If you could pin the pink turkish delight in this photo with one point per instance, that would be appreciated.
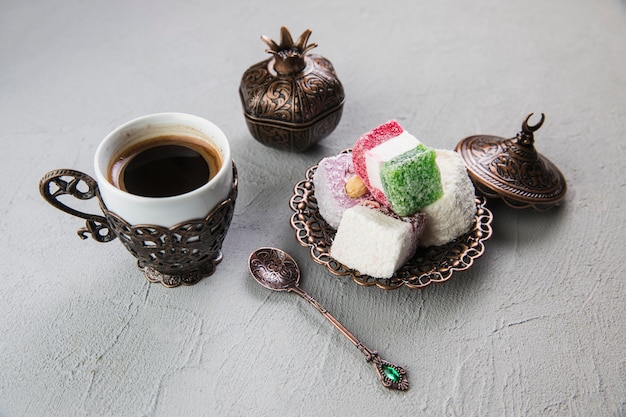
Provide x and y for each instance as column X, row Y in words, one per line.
column 369, row 141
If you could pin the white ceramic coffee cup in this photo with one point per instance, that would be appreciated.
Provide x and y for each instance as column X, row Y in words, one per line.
column 163, row 211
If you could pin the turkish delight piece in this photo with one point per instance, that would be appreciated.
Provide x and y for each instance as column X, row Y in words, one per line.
column 411, row 180
column 375, row 241
column 330, row 180
column 378, row 156
column 454, row 213
column 368, row 141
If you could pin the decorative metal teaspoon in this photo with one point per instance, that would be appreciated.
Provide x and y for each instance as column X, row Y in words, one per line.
column 276, row 270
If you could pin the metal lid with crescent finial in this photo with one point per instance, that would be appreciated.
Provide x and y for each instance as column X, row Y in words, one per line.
column 512, row 169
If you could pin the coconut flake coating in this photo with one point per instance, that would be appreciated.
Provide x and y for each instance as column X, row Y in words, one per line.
column 454, row 213
column 375, row 241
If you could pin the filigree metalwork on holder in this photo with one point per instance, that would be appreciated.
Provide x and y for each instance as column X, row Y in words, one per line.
column 512, row 169
column 60, row 182
column 181, row 254
column 178, row 255
column 431, row 264
column 293, row 99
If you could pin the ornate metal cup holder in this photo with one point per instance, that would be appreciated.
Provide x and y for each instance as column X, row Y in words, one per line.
column 179, row 255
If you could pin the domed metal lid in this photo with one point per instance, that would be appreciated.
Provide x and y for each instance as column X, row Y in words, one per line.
column 511, row 169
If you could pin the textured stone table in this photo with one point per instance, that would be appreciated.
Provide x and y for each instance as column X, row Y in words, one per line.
column 536, row 327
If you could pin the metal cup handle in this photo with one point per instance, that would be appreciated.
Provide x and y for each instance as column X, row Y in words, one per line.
column 70, row 182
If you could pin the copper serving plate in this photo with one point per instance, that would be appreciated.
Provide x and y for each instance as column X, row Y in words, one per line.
column 431, row 264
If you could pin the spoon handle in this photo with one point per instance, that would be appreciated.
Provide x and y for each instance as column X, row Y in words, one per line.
column 391, row 375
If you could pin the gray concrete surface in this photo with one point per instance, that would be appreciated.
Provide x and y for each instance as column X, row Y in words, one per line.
column 536, row 328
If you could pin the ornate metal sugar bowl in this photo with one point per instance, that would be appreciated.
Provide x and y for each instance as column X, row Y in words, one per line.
column 293, row 99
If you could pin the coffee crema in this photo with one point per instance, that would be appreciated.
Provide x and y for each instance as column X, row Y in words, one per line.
column 165, row 166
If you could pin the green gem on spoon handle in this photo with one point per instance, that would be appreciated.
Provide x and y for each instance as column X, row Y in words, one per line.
column 276, row 270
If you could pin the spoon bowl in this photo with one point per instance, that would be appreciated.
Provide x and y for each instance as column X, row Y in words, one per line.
column 274, row 269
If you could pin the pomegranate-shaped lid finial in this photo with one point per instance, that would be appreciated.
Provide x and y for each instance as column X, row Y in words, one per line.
column 289, row 56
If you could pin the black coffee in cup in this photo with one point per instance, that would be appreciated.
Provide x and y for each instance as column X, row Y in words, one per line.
column 165, row 166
